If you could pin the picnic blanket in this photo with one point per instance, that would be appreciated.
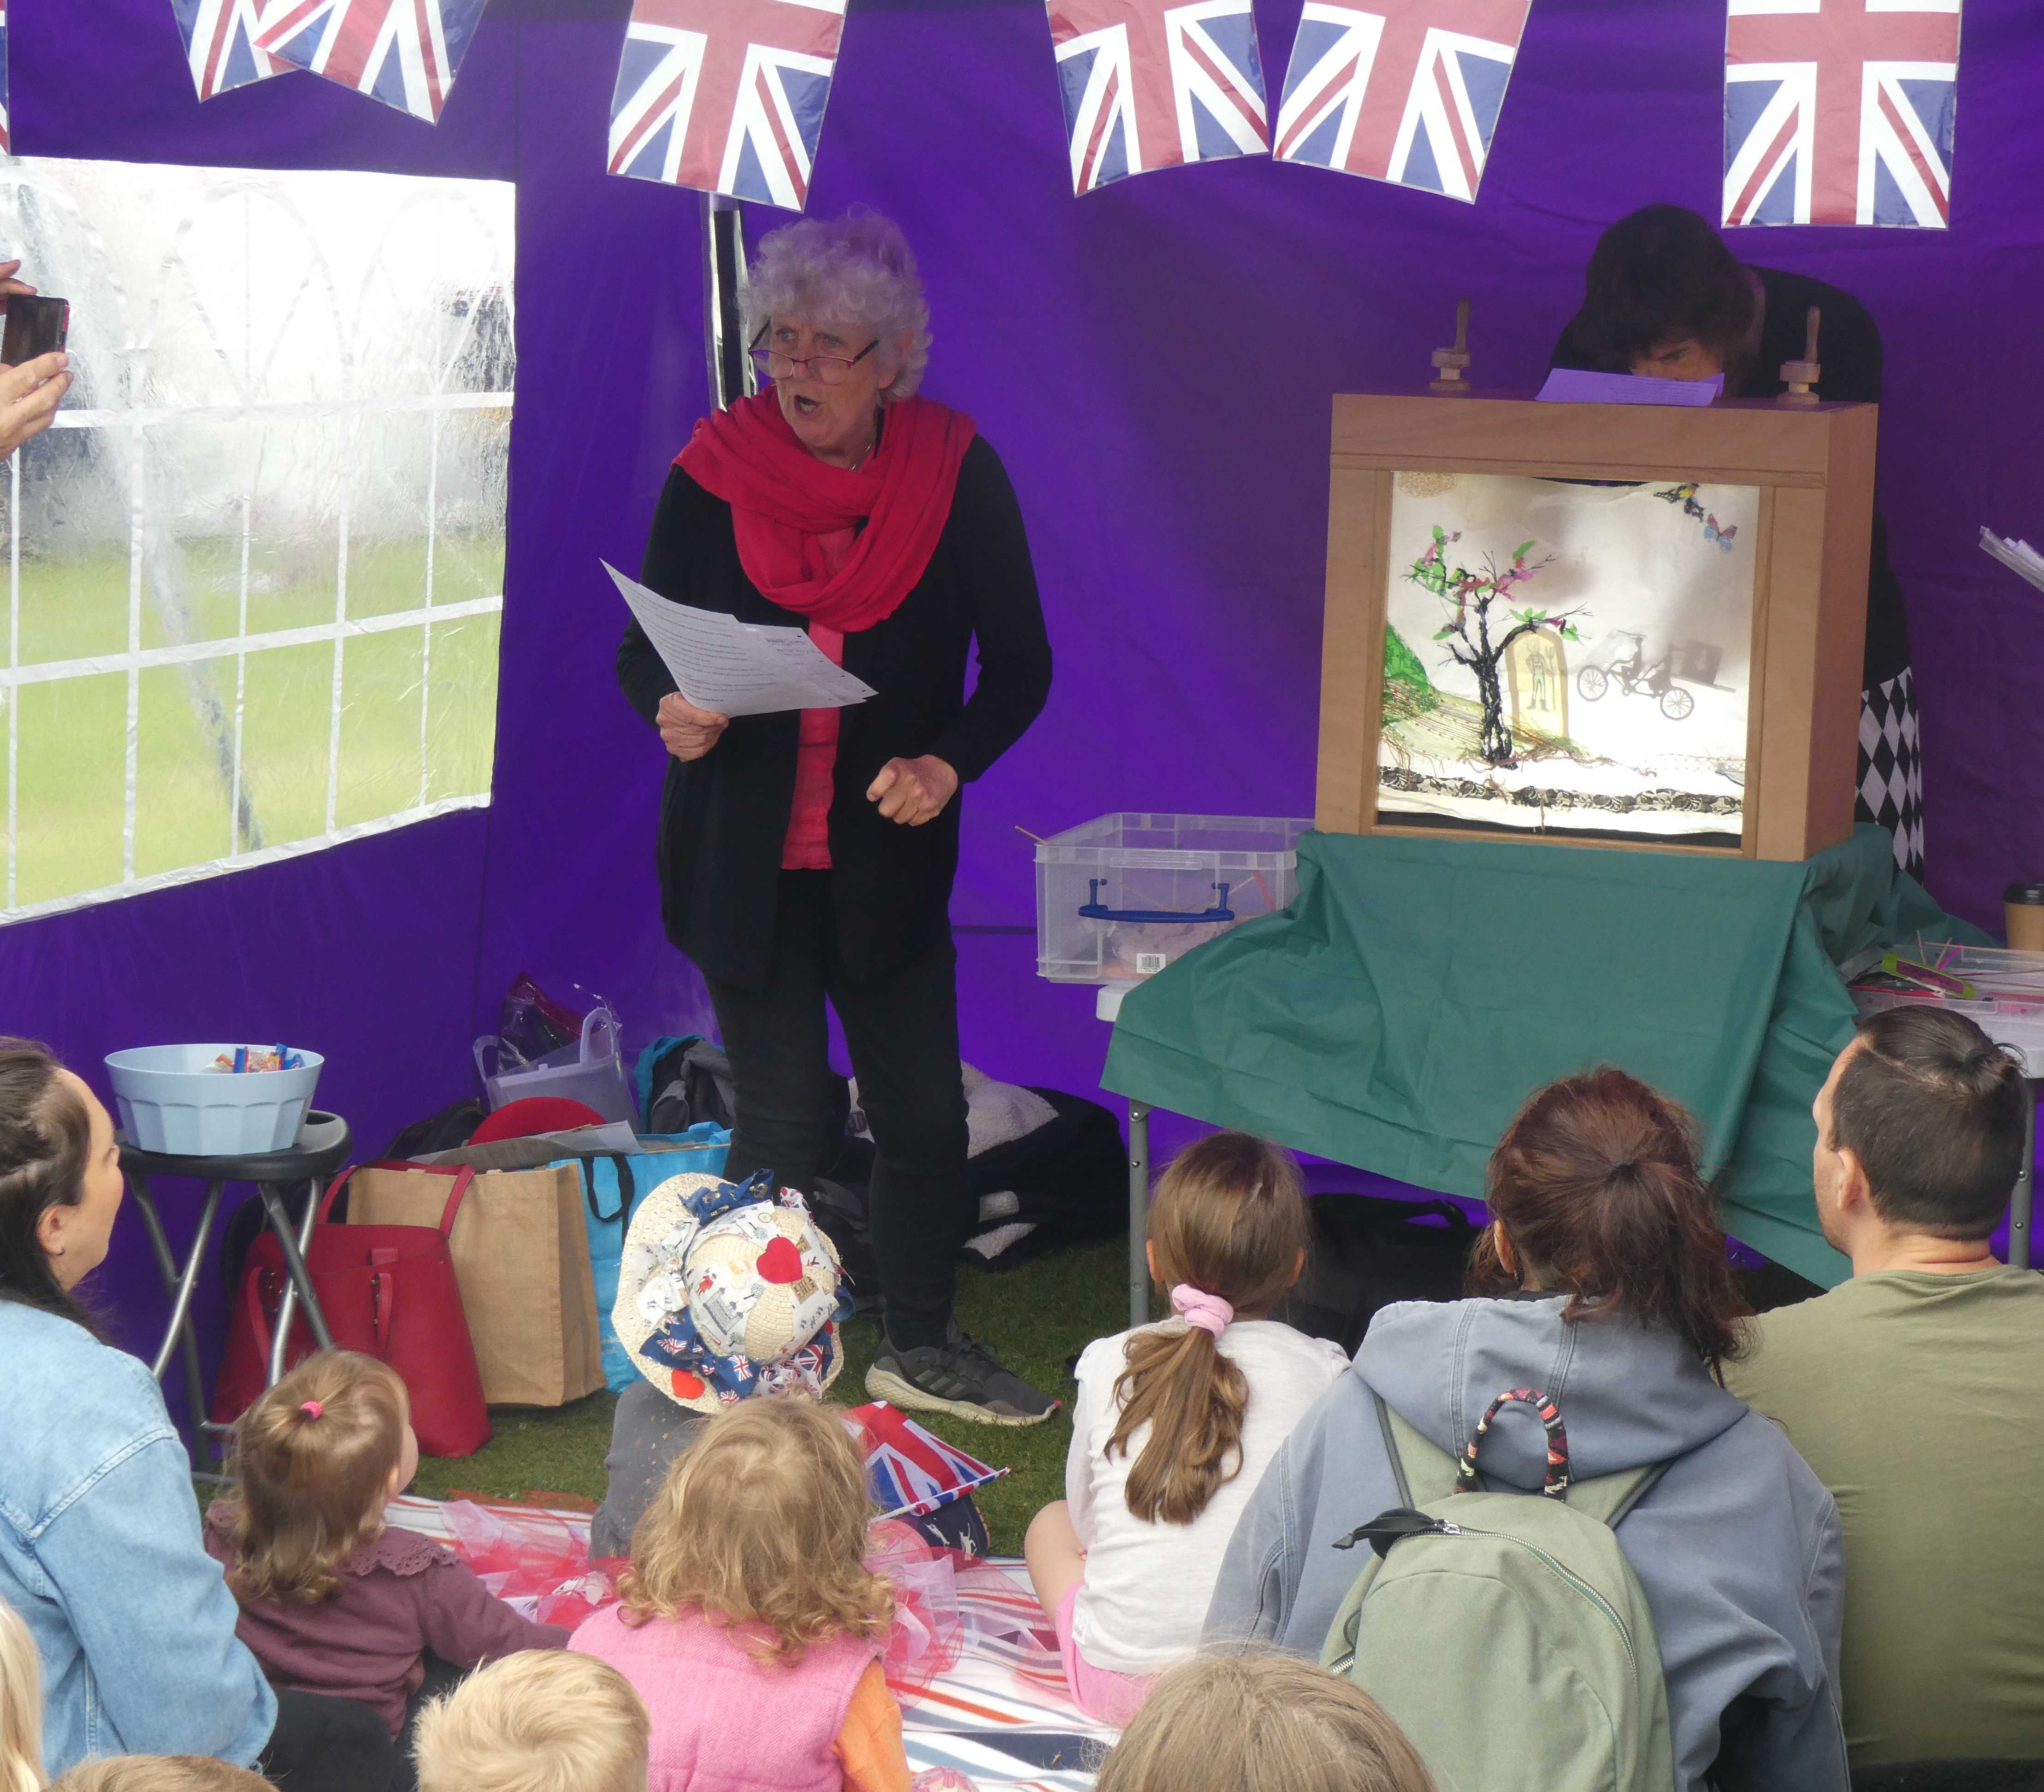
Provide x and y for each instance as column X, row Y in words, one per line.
column 999, row 1712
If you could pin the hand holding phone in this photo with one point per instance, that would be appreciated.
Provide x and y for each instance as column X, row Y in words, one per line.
column 36, row 326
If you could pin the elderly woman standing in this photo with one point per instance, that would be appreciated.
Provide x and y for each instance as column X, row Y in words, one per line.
column 806, row 857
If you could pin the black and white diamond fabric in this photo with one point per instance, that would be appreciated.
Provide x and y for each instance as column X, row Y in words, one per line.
column 1891, row 766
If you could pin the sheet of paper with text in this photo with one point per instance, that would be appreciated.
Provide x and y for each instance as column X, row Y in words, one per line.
column 738, row 668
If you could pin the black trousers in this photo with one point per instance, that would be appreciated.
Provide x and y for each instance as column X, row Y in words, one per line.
column 902, row 1030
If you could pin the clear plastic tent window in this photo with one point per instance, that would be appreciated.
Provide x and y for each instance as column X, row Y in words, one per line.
column 254, row 576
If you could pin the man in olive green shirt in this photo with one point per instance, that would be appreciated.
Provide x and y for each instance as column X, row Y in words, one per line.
column 1913, row 1391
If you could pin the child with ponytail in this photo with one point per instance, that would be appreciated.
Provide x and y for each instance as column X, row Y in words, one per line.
column 1175, row 1422
column 332, row 1601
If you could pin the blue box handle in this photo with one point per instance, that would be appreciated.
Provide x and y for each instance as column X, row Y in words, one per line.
column 1093, row 910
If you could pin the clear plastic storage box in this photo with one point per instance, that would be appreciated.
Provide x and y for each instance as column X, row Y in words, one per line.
column 2010, row 1008
column 1120, row 898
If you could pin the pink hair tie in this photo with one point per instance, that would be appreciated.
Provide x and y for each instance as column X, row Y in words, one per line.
column 1209, row 1312
column 311, row 1407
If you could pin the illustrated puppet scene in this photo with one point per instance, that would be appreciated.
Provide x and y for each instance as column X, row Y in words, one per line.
column 1010, row 896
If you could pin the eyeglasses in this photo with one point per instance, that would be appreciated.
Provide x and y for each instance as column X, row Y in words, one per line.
column 830, row 369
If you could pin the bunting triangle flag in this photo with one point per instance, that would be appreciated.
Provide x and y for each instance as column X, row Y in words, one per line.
column 1149, row 86
column 726, row 96
column 1409, row 91
column 220, row 43
column 1840, row 111
column 403, row 52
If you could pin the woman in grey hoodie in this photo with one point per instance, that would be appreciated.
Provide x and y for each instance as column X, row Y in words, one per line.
column 1607, row 1287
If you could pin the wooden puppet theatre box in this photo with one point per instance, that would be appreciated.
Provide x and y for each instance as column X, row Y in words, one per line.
column 1623, row 624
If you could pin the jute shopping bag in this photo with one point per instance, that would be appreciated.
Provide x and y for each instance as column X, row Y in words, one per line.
column 520, row 1251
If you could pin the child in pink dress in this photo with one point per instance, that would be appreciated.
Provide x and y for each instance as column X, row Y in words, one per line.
column 750, row 1624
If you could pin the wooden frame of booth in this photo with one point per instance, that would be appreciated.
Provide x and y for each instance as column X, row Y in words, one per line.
column 1814, row 466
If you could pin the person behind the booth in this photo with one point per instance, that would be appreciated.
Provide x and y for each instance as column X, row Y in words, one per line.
column 1664, row 296
column 806, row 857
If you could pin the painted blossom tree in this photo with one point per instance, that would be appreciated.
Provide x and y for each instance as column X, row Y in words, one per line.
column 1471, row 598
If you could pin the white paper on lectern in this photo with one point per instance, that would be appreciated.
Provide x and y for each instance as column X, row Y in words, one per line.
column 738, row 668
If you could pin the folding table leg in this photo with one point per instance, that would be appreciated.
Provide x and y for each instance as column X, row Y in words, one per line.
column 2025, row 1179
column 299, row 1286
column 1139, row 1213
column 179, row 1283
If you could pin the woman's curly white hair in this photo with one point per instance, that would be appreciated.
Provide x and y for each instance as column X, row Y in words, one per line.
column 856, row 273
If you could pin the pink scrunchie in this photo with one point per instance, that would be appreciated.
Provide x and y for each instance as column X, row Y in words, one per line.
column 1209, row 1312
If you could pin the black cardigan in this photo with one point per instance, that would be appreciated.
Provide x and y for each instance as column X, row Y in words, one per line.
column 1849, row 351
column 724, row 818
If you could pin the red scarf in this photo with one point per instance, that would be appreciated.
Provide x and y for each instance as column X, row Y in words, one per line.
column 782, row 499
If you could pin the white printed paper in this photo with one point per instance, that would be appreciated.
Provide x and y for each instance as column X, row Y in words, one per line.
column 738, row 668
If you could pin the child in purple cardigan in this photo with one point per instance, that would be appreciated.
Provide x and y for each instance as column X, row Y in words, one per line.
column 331, row 1601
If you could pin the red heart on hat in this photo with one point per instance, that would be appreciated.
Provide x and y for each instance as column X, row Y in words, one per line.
column 780, row 1262
column 688, row 1387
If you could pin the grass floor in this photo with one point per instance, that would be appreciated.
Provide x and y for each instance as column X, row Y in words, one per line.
column 1037, row 1317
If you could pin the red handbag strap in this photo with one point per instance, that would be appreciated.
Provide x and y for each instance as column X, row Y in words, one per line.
column 463, row 1175
column 252, row 1309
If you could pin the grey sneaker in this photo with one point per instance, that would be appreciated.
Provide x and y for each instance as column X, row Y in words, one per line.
column 959, row 1377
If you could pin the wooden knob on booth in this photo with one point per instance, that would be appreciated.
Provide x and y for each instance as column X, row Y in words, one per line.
column 1449, row 363
column 1800, row 376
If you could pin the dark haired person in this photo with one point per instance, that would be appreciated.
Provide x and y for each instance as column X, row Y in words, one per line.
column 1664, row 296
column 1912, row 1391
column 100, row 1551
column 1604, row 1283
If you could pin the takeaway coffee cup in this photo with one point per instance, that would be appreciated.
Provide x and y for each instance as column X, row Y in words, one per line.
column 2023, row 906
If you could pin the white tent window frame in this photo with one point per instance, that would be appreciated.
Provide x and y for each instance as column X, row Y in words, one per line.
column 227, row 348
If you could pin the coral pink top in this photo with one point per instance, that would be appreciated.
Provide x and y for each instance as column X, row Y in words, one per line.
column 807, row 846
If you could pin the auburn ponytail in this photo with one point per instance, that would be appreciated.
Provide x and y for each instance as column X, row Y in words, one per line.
column 1229, row 1219
column 1597, row 1185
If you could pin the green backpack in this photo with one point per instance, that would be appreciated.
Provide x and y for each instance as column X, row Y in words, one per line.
column 1505, row 1632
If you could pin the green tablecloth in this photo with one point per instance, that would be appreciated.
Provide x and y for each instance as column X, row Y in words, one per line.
column 1418, row 989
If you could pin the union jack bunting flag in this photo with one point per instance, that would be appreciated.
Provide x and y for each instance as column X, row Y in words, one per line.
column 725, row 95
column 220, row 43
column 1407, row 90
column 404, row 52
column 910, row 1472
column 1840, row 111
column 1149, row 86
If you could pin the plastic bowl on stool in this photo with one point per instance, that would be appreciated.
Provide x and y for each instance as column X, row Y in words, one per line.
column 171, row 1100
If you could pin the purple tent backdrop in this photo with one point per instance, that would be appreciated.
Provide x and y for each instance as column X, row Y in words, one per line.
column 1154, row 363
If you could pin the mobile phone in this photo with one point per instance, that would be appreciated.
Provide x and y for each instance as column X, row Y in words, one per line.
column 36, row 325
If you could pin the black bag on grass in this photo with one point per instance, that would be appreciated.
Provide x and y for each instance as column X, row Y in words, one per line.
column 1367, row 1252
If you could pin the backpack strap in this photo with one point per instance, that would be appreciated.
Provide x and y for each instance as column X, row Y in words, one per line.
column 1609, row 1498
column 1423, row 1470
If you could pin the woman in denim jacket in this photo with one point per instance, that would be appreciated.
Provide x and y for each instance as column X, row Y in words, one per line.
column 99, row 1533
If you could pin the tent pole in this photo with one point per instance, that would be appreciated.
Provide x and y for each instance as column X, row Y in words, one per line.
column 725, row 350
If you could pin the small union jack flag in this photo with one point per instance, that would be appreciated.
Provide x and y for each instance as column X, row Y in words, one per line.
column 1840, row 111
column 726, row 96
column 910, row 1472
column 1405, row 90
column 403, row 52
column 220, row 43
column 1148, row 86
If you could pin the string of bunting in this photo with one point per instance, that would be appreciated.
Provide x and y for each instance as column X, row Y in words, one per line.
column 1838, row 111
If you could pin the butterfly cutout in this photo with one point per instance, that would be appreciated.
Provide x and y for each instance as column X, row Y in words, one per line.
column 1685, row 496
column 1722, row 537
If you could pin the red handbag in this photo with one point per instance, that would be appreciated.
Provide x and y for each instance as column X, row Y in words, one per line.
column 388, row 1292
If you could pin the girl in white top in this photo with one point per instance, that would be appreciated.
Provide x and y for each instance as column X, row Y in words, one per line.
column 1175, row 1423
